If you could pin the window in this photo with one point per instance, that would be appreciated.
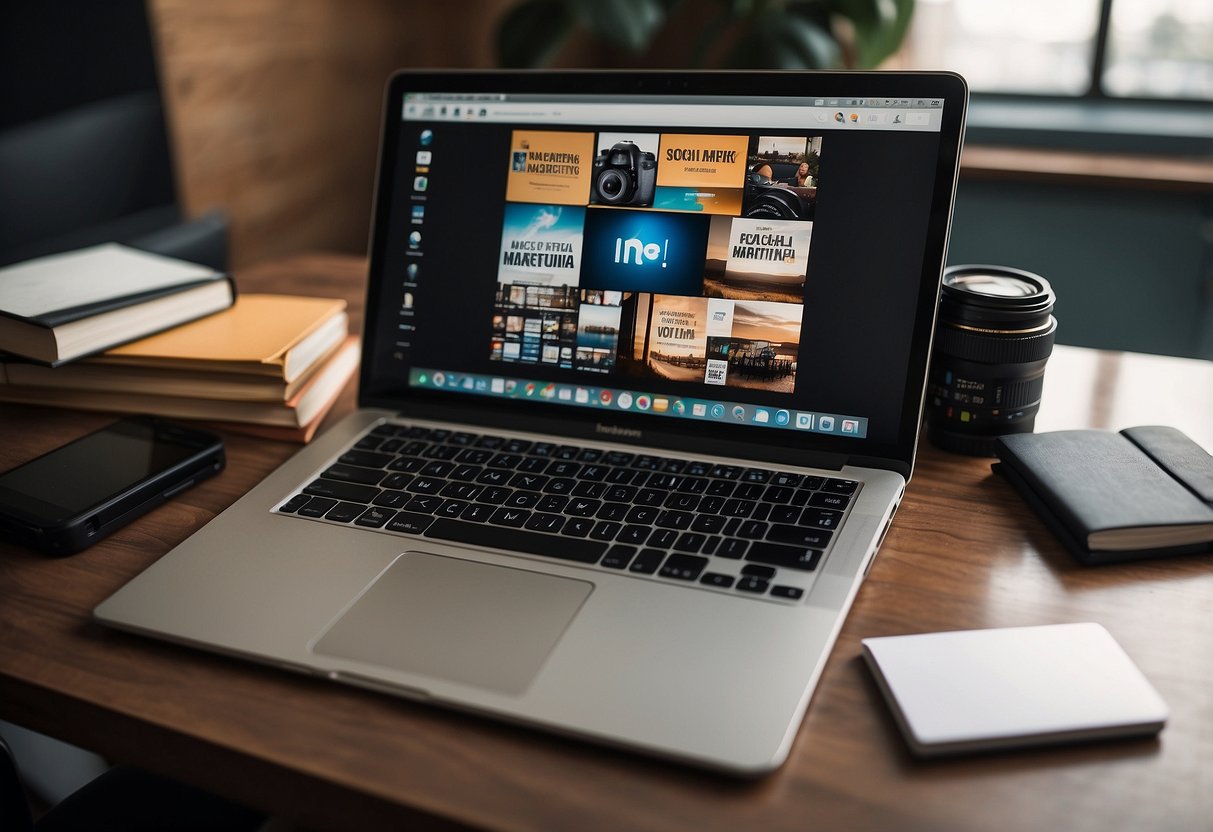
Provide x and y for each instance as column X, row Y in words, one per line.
column 1124, row 48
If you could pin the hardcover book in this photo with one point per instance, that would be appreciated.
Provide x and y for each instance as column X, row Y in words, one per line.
column 1113, row 497
column 57, row 308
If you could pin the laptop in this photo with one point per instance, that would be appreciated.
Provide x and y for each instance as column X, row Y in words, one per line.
column 642, row 374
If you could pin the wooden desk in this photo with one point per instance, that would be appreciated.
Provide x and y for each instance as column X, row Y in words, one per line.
column 964, row 552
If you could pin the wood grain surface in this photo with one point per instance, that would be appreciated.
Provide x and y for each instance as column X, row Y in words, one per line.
column 964, row 552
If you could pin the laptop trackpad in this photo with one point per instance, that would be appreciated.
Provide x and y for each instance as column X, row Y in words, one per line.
column 458, row 620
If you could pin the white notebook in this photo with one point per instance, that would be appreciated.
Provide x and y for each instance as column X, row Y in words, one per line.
column 977, row 690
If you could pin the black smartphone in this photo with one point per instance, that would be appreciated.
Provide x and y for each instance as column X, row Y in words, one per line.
column 73, row 496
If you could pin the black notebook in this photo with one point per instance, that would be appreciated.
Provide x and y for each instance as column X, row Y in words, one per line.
column 1111, row 497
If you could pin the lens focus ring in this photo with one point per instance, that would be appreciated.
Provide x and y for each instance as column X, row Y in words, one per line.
column 995, row 347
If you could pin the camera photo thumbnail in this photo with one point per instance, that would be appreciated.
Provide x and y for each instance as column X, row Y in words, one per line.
column 781, row 182
column 625, row 169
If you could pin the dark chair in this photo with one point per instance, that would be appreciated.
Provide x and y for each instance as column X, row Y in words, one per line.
column 84, row 151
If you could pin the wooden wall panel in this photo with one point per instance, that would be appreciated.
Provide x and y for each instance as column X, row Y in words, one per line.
column 274, row 106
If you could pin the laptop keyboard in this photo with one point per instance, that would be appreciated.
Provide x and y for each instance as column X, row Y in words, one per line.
column 757, row 531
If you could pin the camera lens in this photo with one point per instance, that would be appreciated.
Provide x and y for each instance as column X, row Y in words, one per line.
column 612, row 186
column 994, row 334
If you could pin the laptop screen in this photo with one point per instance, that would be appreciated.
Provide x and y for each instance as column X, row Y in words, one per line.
column 750, row 258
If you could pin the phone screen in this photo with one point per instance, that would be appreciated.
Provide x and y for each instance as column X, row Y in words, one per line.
column 85, row 472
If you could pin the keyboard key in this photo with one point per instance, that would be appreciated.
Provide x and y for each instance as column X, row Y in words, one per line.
column 396, row 481
column 717, row 579
column 785, row 514
column 738, row 508
column 756, row 475
column 731, row 547
column 566, row 452
column 504, row 460
column 709, row 544
column 594, row 473
column 424, row 503
column 757, row 570
column 623, row 476
column 552, row 503
column 540, row 522
column 438, row 435
column 589, row 455
column 669, row 519
column 353, row 473
column 578, row 526
column 560, row 485
column 690, row 542
column 452, row 508
column 494, row 495
column 513, row 518
column 748, row 491
column 462, row 438
column 384, row 430
column 709, row 523
column 635, row 535
column 529, row 482
column 681, row 502
column 474, row 456
column 800, row 536
column 840, row 486
column 619, row 494
column 390, row 499
column 750, row 584
column 711, row 505
column 352, row 492
column 642, row 514
column 510, row 539
column 317, row 507
column 344, row 512
column 437, row 469
column 697, row 469
column 720, row 488
column 522, row 499
column 725, row 472
column 755, row 530
column 613, row 511
column 532, row 465
column 580, row 507
column 683, row 567
column 543, row 449
column 375, row 517
column 426, row 485
column 650, row 497
column 476, row 513
column 781, row 478
column 368, row 443
column 647, row 561
column 663, row 538
column 647, row 462
column 560, row 468
column 777, row 494
column 494, row 476
column 618, row 557
column 824, row 499
column 294, row 504
column 618, row 458
column 409, row 465
column 415, row 432
column 761, row 511
column 442, row 452
column 606, row 530
column 693, row 485
column 516, row 446
column 793, row 593
column 590, row 489
column 490, row 442
column 460, row 491
column 792, row 557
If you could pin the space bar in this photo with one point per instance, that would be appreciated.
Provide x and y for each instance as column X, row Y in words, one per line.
column 495, row 537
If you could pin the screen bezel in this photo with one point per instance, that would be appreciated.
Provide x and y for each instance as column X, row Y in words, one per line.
column 756, row 442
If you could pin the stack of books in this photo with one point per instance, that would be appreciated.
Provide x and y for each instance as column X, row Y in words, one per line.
column 269, row 365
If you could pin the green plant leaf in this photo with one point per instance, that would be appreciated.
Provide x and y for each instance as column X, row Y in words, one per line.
column 880, row 27
column 531, row 33
column 627, row 24
column 794, row 39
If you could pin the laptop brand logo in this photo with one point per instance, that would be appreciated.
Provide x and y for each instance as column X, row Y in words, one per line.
column 611, row 430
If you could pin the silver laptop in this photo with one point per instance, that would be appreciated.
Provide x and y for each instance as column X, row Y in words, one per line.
column 642, row 375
